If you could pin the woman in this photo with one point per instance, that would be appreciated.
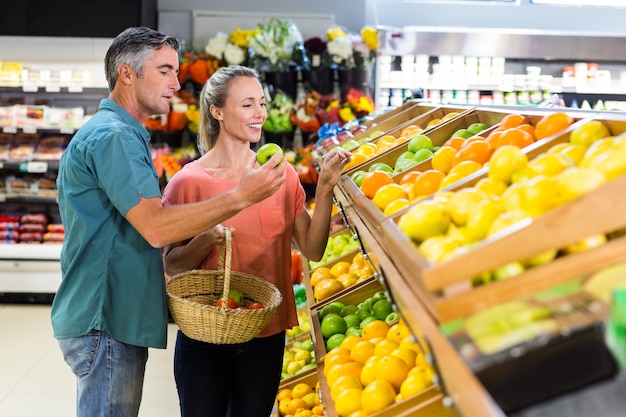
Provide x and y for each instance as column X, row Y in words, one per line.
column 242, row 380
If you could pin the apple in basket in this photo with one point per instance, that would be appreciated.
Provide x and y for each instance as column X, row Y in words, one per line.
column 235, row 299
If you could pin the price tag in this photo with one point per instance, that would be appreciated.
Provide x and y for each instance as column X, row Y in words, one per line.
column 75, row 89
column 9, row 129
column 29, row 129
column 53, row 89
column 66, row 130
column 34, row 167
column 30, row 88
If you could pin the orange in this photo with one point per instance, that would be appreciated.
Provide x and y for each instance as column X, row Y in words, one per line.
column 530, row 129
column 352, row 369
column 283, row 394
column 385, row 347
column 311, row 399
column 493, row 137
column 368, row 373
column 477, row 150
column 362, row 351
column 465, row 168
column 433, row 122
column 350, row 341
column 387, row 194
column 348, row 279
column 338, row 355
column 326, row 288
column 377, row 396
column 375, row 328
column 413, row 385
column 409, row 177
column 449, row 116
column 512, row 120
column 372, row 181
column 411, row 130
column 343, row 383
column 396, row 205
column 514, row 136
column 348, row 401
column 300, row 390
column 367, row 149
column 455, row 142
column 397, row 332
column 428, row 182
column 333, row 373
column 339, row 268
column 552, row 124
column 295, row 404
column 392, row 369
column 357, row 159
column 442, row 158
column 367, row 271
column 406, row 354
column 320, row 273
column 318, row 410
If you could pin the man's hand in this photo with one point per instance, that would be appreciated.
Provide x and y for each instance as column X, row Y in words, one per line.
column 259, row 182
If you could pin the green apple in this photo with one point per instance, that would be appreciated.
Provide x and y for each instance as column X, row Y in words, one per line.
column 266, row 151
column 350, row 144
column 380, row 166
column 403, row 165
column 405, row 155
column 376, row 134
column 476, row 128
column 236, row 295
column 357, row 177
column 392, row 318
column 422, row 155
column 508, row 270
column 418, row 142
column 463, row 133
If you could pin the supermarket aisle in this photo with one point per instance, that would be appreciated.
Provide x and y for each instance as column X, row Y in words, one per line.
column 35, row 382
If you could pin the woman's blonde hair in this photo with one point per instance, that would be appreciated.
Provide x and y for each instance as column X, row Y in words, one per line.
column 215, row 92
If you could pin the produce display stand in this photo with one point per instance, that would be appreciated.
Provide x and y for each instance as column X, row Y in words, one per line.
column 428, row 294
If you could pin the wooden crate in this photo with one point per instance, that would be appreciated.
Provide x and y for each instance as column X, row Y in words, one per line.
column 446, row 287
column 438, row 135
column 394, row 126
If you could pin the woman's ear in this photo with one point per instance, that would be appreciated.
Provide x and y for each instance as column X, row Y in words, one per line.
column 216, row 112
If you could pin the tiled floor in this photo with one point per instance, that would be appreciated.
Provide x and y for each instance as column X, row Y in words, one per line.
column 36, row 382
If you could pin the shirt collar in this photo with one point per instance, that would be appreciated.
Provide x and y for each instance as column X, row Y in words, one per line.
column 110, row 104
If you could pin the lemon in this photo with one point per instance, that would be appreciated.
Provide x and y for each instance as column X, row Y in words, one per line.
column 348, row 402
column 549, row 164
column 491, row 186
column 464, row 201
column 595, row 149
column 413, row 385
column 505, row 161
column 589, row 133
column 437, row 247
column 505, row 220
column 387, row 194
column 424, row 220
column 396, row 205
column 377, row 396
column 576, row 181
column 537, row 196
column 611, row 163
column 480, row 219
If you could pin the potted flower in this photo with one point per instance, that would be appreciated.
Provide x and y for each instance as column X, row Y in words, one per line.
column 278, row 53
column 321, row 75
column 229, row 49
column 353, row 53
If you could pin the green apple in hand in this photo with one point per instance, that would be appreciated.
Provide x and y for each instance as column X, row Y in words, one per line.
column 266, row 151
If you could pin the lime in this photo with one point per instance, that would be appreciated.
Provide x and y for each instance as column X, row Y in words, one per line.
column 382, row 308
column 363, row 313
column 307, row 345
column 352, row 320
column 327, row 309
column 356, row 331
column 349, row 309
column 332, row 324
column 334, row 341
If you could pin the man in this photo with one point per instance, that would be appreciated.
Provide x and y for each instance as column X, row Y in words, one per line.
column 111, row 305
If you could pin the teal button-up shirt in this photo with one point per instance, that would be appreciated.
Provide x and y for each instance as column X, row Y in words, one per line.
column 113, row 279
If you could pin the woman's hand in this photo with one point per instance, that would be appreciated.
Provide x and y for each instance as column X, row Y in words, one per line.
column 332, row 167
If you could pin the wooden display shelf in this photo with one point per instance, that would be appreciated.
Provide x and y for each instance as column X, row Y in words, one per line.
column 454, row 380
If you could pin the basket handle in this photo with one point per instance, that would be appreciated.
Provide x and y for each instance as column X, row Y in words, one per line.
column 224, row 264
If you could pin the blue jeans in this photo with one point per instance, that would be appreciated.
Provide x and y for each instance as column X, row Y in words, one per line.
column 228, row 380
column 109, row 374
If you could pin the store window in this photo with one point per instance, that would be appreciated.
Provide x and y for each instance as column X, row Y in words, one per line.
column 604, row 3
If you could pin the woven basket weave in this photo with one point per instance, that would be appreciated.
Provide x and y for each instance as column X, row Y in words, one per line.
column 192, row 296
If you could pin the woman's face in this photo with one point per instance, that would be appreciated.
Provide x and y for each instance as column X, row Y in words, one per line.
column 244, row 113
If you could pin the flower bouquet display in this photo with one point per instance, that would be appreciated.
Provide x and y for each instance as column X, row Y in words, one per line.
column 278, row 127
column 230, row 49
column 278, row 53
column 353, row 54
column 321, row 75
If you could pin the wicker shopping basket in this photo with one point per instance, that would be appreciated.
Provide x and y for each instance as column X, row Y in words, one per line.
column 192, row 298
